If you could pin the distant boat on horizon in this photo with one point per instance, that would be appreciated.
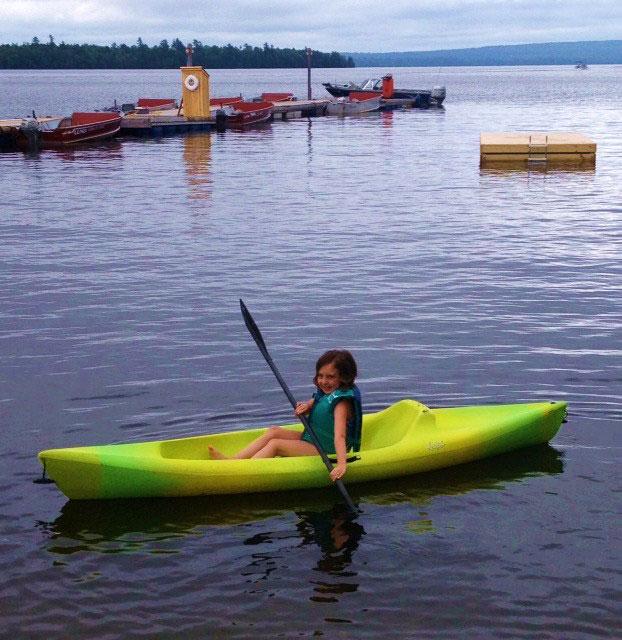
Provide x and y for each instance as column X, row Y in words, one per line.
column 581, row 65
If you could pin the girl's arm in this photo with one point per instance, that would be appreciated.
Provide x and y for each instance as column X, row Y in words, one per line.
column 302, row 408
column 341, row 419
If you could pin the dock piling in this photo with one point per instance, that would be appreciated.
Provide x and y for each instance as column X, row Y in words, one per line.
column 309, row 54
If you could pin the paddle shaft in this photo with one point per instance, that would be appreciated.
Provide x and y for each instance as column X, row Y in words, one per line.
column 258, row 338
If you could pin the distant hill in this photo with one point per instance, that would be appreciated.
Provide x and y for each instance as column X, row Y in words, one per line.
column 590, row 52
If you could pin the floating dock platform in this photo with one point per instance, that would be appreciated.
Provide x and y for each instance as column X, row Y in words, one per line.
column 165, row 122
column 532, row 148
column 290, row 109
column 172, row 121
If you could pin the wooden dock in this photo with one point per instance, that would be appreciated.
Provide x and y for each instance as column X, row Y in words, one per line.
column 15, row 123
column 290, row 109
column 145, row 122
column 163, row 122
column 536, row 148
column 171, row 121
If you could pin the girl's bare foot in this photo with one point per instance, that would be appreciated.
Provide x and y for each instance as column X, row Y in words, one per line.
column 214, row 454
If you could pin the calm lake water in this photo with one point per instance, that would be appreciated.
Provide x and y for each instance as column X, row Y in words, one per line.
column 122, row 266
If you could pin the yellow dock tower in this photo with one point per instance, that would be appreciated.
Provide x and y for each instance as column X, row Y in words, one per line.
column 195, row 93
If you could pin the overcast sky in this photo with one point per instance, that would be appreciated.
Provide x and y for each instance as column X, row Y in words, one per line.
column 348, row 25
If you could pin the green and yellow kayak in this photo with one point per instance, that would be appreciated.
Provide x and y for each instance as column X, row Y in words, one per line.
column 403, row 439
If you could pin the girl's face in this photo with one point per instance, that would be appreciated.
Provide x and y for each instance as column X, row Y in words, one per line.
column 328, row 379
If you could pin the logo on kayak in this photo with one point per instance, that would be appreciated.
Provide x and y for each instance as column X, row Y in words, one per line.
column 435, row 445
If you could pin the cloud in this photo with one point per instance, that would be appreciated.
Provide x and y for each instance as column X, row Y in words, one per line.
column 29, row 12
column 349, row 25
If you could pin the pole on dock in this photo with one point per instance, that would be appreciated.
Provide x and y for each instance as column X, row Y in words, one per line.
column 189, row 52
column 309, row 54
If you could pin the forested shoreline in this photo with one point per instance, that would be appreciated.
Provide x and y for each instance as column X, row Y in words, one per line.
column 52, row 55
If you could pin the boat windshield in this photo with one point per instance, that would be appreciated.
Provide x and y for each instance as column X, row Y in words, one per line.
column 48, row 123
column 370, row 84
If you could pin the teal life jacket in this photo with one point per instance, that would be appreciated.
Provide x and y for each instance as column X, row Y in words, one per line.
column 322, row 419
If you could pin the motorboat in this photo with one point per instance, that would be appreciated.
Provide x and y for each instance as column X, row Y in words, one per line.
column 356, row 103
column 240, row 114
column 77, row 128
column 421, row 97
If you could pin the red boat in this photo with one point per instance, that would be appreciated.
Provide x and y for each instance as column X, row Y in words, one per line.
column 155, row 104
column 80, row 127
column 242, row 114
column 221, row 102
column 278, row 97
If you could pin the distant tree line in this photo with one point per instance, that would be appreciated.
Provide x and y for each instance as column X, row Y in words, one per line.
column 52, row 55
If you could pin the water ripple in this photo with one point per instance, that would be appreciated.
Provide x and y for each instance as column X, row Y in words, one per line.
column 122, row 269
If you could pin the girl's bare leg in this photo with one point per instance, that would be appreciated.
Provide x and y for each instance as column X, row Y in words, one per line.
column 288, row 447
column 250, row 450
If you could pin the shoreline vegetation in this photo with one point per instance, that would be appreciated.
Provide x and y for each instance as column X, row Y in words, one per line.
column 50, row 55
column 165, row 55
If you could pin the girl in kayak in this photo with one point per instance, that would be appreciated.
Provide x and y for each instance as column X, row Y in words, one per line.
column 334, row 413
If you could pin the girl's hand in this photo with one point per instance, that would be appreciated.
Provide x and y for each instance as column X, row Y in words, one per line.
column 303, row 407
column 341, row 416
column 339, row 470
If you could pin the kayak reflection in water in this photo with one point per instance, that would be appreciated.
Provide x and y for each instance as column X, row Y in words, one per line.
column 334, row 412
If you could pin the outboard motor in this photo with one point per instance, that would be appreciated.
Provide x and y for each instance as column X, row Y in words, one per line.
column 221, row 120
column 29, row 129
column 438, row 95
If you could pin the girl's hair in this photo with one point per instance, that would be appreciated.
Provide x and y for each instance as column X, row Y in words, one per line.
column 343, row 361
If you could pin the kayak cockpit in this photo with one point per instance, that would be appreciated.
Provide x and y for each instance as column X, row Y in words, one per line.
column 383, row 429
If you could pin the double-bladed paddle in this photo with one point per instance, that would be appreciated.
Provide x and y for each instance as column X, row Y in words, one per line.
column 253, row 329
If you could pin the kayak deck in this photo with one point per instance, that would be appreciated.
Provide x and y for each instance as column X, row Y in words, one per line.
column 403, row 439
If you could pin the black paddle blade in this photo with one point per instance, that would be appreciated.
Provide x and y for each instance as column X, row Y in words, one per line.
column 252, row 326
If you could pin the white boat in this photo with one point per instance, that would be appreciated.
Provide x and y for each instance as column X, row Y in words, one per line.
column 422, row 97
column 355, row 104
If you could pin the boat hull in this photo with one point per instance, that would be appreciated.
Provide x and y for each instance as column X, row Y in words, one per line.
column 420, row 97
column 82, row 127
column 147, row 105
column 353, row 106
column 406, row 438
column 244, row 114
